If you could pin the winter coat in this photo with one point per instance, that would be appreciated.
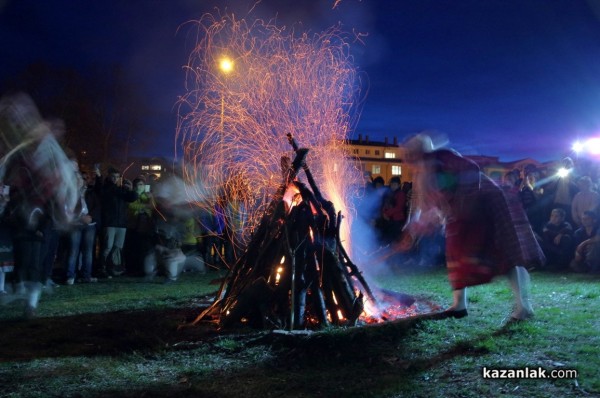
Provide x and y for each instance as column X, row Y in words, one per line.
column 114, row 204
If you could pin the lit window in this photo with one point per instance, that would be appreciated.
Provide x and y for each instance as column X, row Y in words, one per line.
column 145, row 167
column 155, row 167
column 396, row 170
column 390, row 155
column 376, row 169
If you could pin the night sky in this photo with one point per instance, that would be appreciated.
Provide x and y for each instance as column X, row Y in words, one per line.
column 513, row 79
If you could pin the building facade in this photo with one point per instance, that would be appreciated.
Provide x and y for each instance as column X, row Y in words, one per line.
column 385, row 159
column 378, row 158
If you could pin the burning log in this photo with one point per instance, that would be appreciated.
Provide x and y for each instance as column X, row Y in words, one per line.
column 294, row 273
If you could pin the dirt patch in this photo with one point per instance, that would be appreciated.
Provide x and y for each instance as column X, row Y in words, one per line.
column 112, row 333
column 122, row 332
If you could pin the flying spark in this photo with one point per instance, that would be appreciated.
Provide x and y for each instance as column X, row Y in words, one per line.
column 234, row 117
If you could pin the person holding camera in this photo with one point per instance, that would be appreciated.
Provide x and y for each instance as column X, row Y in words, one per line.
column 115, row 198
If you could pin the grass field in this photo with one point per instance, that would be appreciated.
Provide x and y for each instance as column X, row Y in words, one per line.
column 121, row 338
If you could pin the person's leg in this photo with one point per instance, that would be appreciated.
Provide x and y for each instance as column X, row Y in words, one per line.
column 459, row 300
column 108, row 241
column 150, row 265
column 73, row 254
column 119, row 244
column 519, row 282
column 132, row 253
column 173, row 261
column 87, row 251
column 28, row 259
column 49, row 253
column 120, row 234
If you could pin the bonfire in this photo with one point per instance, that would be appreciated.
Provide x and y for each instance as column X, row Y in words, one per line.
column 295, row 272
column 248, row 85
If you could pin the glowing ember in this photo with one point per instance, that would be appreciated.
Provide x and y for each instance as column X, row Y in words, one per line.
column 393, row 306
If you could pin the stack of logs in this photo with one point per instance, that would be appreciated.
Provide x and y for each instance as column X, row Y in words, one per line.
column 294, row 273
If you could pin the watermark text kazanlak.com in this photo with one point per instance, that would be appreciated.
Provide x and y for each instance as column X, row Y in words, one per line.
column 528, row 373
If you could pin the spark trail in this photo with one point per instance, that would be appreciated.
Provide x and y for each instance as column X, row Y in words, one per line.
column 233, row 121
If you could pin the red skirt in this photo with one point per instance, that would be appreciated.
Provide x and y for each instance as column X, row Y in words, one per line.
column 490, row 238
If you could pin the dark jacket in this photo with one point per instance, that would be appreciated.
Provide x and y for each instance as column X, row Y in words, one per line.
column 92, row 199
column 114, row 202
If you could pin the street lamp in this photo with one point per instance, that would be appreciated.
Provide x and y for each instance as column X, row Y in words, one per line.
column 226, row 67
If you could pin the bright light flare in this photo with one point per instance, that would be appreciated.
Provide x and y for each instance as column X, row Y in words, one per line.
column 563, row 172
column 590, row 146
column 226, row 65
column 593, row 146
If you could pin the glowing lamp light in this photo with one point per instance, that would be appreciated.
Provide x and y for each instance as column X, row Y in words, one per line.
column 590, row 146
column 562, row 172
column 226, row 65
column 593, row 146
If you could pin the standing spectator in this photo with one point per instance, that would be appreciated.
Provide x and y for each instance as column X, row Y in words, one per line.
column 376, row 198
column 585, row 200
column 114, row 202
column 80, row 229
column 394, row 211
column 531, row 198
column 92, row 200
column 557, row 240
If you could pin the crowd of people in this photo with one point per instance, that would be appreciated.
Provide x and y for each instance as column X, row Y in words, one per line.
column 562, row 207
column 61, row 224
